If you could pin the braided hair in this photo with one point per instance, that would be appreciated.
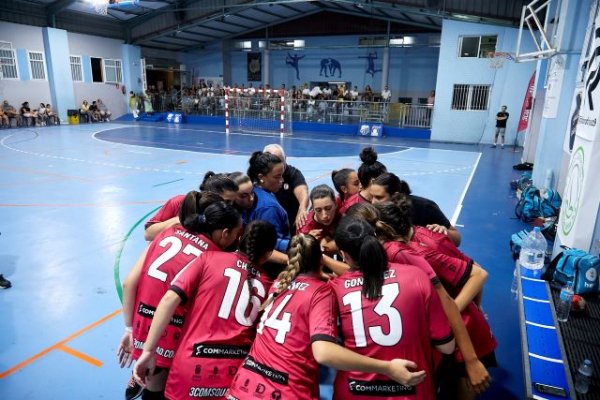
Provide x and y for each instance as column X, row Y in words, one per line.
column 357, row 238
column 257, row 241
column 304, row 256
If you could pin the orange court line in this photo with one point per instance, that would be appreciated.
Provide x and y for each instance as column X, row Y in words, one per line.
column 58, row 345
column 80, row 355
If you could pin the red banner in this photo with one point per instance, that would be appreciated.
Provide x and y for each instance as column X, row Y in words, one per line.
column 527, row 104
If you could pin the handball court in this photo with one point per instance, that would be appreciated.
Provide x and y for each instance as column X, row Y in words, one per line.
column 74, row 199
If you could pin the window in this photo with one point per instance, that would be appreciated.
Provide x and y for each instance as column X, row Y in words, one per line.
column 286, row 44
column 8, row 61
column 245, row 45
column 76, row 68
column 112, row 71
column 470, row 97
column 477, row 46
column 96, row 69
column 36, row 63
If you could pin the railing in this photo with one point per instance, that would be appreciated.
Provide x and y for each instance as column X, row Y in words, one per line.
column 307, row 110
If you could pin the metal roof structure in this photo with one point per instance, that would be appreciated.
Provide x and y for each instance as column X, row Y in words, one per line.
column 182, row 25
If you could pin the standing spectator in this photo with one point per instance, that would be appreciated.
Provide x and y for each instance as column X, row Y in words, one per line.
column 501, row 119
column 430, row 103
column 386, row 95
column 293, row 195
column 367, row 94
column 133, row 105
column 104, row 112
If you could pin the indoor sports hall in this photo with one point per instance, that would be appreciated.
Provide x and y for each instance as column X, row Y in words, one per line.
column 111, row 108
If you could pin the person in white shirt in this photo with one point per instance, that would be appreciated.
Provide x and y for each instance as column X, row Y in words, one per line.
column 314, row 92
column 386, row 94
column 354, row 94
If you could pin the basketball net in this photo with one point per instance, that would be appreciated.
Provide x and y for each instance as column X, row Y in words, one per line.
column 497, row 59
column 101, row 6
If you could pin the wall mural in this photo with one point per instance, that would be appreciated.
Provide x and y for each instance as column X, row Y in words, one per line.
column 330, row 65
column 292, row 60
column 371, row 64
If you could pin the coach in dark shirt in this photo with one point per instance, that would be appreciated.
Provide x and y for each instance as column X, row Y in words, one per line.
column 293, row 195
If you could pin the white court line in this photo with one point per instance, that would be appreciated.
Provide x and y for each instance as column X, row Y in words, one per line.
column 536, row 397
column 553, row 360
column 536, row 300
column 464, row 193
column 540, row 325
column 532, row 279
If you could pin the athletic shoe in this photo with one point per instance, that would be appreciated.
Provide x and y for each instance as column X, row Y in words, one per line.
column 493, row 146
column 4, row 283
column 134, row 390
column 501, row 146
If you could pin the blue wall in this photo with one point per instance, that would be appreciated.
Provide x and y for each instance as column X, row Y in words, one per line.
column 509, row 84
column 412, row 70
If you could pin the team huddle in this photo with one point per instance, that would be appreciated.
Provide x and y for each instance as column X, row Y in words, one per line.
column 242, row 294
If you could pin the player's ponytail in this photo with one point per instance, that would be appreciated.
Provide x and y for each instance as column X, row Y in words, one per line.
column 357, row 238
column 304, row 256
column 194, row 204
column 216, row 216
column 370, row 168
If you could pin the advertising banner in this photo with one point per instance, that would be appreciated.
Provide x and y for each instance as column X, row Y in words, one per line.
column 527, row 105
column 254, row 67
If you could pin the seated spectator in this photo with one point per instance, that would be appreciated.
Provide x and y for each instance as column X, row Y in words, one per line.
column 84, row 111
column 4, row 119
column 104, row 113
column 51, row 115
column 94, row 112
column 11, row 112
column 26, row 114
column 41, row 116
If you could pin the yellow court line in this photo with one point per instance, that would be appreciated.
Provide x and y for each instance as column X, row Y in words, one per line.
column 80, row 355
column 58, row 345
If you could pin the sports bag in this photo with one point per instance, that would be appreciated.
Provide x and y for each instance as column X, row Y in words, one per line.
column 550, row 203
column 529, row 205
column 577, row 266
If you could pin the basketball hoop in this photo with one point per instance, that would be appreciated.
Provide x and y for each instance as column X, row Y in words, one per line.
column 497, row 59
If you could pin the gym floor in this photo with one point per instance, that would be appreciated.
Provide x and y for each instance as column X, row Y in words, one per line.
column 73, row 200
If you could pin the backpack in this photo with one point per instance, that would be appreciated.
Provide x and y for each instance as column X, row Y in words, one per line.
column 529, row 205
column 551, row 203
column 523, row 182
column 577, row 266
column 516, row 241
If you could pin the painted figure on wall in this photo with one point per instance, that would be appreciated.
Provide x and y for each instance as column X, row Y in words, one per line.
column 324, row 67
column 334, row 65
column 292, row 60
column 371, row 64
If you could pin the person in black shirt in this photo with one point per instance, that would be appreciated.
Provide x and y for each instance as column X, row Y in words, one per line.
column 501, row 119
column 293, row 195
column 425, row 212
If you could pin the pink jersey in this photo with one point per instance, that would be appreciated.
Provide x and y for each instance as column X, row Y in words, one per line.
column 311, row 224
column 281, row 364
column 169, row 210
column 350, row 201
column 219, row 326
column 454, row 269
column 438, row 241
column 401, row 253
column 168, row 253
column 407, row 321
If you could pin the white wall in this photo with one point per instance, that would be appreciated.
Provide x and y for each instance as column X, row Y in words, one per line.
column 508, row 85
column 17, row 91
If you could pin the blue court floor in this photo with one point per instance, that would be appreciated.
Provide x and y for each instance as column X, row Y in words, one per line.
column 73, row 200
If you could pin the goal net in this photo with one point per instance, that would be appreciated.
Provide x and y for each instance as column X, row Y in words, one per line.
column 266, row 112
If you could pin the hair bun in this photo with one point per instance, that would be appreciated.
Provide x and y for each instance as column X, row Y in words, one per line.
column 368, row 155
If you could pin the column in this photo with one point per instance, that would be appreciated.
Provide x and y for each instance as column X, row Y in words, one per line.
column 58, row 63
column 132, row 72
column 385, row 68
column 265, row 66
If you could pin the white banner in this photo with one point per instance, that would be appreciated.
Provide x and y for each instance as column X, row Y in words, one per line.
column 590, row 107
column 581, row 196
column 555, row 77
column 573, row 120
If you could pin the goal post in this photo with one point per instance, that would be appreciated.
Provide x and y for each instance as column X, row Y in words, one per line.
column 262, row 111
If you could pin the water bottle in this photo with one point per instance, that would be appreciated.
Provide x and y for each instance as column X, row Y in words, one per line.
column 533, row 250
column 564, row 302
column 514, row 288
column 584, row 376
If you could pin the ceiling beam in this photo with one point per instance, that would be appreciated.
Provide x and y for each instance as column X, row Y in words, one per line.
column 261, row 10
column 58, row 6
column 200, row 34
